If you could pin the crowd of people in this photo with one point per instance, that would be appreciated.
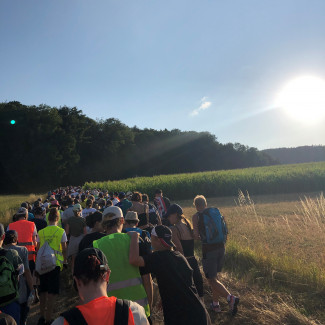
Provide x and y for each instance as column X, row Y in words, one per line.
column 117, row 246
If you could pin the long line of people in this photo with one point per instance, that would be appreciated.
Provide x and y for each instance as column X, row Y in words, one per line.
column 115, row 243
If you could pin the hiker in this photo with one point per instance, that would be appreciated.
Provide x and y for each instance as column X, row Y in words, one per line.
column 68, row 212
column 182, row 236
column 76, row 228
column 131, row 224
column 213, row 251
column 39, row 219
column 124, row 203
column 154, row 217
column 11, row 267
column 26, row 290
column 162, row 203
column 94, row 222
column 141, row 209
column 91, row 276
column 89, row 209
column 27, row 206
column 54, row 204
column 180, row 302
column 50, row 282
column 125, row 280
column 27, row 233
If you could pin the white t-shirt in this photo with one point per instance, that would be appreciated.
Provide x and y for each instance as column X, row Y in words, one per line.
column 86, row 212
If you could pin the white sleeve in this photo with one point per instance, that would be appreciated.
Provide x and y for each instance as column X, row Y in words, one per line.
column 64, row 238
column 35, row 231
column 139, row 314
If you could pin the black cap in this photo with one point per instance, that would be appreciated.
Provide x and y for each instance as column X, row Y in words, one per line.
column 121, row 195
column 174, row 208
column 164, row 233
column 81, row 262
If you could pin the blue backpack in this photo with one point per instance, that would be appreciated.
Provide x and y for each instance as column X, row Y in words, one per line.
column 212, row 227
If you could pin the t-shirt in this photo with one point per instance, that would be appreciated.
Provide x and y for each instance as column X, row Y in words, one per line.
column 40, row 224
column 67, row 213
column 86, row 212
column 124, row 205
column 76, row 226
column 181, row 304
column 87, row 241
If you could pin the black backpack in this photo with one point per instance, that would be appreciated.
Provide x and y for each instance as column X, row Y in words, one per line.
column 75, row 317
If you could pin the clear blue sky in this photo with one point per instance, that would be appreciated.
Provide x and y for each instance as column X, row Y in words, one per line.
column 193, row 65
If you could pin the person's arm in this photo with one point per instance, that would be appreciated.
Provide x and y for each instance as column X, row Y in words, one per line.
column 176, row 239
column 34, row 236
column 29, row 279
column 67, row 229
column 134, row 257
column 195, row 221
column 64, row 252
column 85, row 230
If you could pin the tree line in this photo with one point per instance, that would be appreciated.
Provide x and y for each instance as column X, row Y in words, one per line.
column 44, row 147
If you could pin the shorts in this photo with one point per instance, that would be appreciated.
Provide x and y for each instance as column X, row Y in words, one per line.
column 31, row 266
column 50, row 282
column 212, row 262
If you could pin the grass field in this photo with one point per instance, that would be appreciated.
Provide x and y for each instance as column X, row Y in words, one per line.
column 261, row 180
column 275, row 259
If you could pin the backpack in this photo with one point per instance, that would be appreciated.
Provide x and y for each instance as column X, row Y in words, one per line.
column 45, row 259
column 8, row 280
column 74, row 315
column 212, row 227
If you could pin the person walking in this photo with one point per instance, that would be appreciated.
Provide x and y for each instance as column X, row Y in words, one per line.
column 213, row 253
column 50, row 282
column 124, row 203
column 183, row 238
column 141, row 209
column 162, row 204
column 91, row 276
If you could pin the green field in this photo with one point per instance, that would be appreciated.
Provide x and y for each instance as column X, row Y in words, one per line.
column 261, row 180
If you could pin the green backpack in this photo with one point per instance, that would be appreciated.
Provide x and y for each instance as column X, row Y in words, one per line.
column 8, row 280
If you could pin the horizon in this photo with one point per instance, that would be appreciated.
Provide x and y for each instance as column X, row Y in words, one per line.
column 248, row 72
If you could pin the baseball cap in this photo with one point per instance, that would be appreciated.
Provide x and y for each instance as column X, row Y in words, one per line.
column 115, row 211
column 54, row 203
column 77, row 207
column 174, row 208
column 121, row 195
column 22, row 210
column 131, row 215
column 164, row 234
column 81, row 263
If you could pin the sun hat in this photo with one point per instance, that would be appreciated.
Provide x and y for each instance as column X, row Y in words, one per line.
column 114, row 212
column 77, row 207
column 164, row 234
column 131, row 216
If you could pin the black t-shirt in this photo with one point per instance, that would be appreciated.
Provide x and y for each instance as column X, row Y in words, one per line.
column 40, row 224
column 181, row 304
column 87, row 241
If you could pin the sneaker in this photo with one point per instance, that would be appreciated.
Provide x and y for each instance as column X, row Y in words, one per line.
column 215, row 308
column 233, row 302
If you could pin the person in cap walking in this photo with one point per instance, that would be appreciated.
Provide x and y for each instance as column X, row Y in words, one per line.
column 180, row 301
column 126, row 282
column 76, row 228
column 91, row 276
column 182, row 235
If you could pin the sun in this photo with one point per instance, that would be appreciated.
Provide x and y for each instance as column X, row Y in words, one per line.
column 303, row 99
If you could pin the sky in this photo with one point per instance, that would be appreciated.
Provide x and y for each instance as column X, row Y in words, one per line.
column 207, row 65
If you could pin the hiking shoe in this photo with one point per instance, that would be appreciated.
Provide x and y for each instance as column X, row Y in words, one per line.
column 233, row 302
column 215, row 308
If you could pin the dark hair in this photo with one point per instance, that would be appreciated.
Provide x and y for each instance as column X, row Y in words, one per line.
column 54, row 214
column 145, row 197
column 132, row 222
column 158, row 191
column 24, row 205
column 38, row 210
column 75, row 201
column 69, row 201
column 11, row 237
column 109, row 203
column 93, row 218
column 89, row 203
column 136, row 197
column 91, row 271
column 111, row 223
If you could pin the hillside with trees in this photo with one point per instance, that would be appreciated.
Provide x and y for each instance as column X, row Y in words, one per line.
column 297, row 155
column 48, row 147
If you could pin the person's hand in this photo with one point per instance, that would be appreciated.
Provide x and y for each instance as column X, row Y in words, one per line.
column 133, row 233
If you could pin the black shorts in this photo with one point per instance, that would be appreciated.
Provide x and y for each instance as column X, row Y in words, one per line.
column 212, row 262
column 31, row 266
column 50, row 282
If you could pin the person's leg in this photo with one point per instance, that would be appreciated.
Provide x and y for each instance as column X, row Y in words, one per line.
column 24, row 310
column 148, row 286
column 42, row 303
column 218, row 289
column 49, row 307
column 197, row 276
column 53, row 291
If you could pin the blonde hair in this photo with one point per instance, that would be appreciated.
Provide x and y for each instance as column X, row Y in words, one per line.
column 200, row 201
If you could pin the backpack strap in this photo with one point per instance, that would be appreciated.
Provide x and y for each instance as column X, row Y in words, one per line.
column 74, row 317
column 121, row 312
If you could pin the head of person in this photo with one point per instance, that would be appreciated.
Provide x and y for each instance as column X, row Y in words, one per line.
column 113, row 219
column 77, row 209
column 161, row 238
column 115, row 194
column 121, row 196
column 129, row 195
column 174, row 214
column 39, row 212
column 2, row 234
column 200, row 203
column 22, row 213
column 89, row 203
column 54, row 216
column 90, row 272
column 109, row 203
column 39, row 199
column 136, row 197
column 76, row 201
column 145, row 198
column 94, row 221
column 131, row 219
column 54, row 204
column 11, row 237
column 158, row 192
column 69, row 201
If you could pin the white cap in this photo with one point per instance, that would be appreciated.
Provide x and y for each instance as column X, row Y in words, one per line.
column 116, row 211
